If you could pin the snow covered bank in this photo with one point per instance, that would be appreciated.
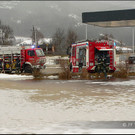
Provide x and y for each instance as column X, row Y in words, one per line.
column 14, row 77
column 52, row 77
column 21, row 77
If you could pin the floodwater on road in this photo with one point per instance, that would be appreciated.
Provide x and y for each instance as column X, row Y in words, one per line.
column 57, row 106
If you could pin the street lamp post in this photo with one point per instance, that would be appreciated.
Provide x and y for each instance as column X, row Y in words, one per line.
column 86, row 32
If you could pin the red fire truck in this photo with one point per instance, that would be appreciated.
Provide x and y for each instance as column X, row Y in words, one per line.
column 95, row 56
column 21, row 59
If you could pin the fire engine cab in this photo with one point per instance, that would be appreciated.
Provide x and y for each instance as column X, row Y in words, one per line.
column 21, row 59
column 95, row 56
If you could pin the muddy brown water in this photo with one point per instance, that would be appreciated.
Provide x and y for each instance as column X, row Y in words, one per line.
column 57, row 106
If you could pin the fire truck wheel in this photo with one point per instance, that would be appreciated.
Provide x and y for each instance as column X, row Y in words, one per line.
column 28, row 69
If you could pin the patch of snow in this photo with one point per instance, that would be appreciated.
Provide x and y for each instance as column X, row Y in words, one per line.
column 118, row 48
column 47, row 40
column 123, row 48
column 20, row 39
column 52, row 77
column 114, row 131
column 14, row 77
column 124, row 83
column 28, row 40
column 52, row 60
column 126, row 49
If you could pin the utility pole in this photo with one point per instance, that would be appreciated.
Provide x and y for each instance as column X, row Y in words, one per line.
column 34, row 36
column 133, row 33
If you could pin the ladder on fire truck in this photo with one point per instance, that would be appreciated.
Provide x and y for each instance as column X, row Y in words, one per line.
column 8, row 54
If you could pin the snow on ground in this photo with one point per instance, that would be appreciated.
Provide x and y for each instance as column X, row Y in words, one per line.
column 64, row 106
column 14, row 77
column 21, row 77
column 24, row 77
column 26, row 42
column 114, row 131
column 52, row 77
column 52, row 60
column 108, row 82
column 124, row 83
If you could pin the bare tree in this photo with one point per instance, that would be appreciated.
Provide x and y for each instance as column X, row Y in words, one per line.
column 7, row 35
column 71, row 38
column 58, row 41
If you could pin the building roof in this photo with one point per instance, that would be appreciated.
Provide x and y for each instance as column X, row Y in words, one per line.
column 115, row 18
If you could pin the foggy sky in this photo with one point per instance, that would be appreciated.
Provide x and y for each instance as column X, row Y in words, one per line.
column 49, row 15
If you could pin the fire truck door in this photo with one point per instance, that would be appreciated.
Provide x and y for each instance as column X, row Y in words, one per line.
column 30, row 56
column 82, row 56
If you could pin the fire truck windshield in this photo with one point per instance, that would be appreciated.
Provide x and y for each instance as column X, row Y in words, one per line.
column 40, row 53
